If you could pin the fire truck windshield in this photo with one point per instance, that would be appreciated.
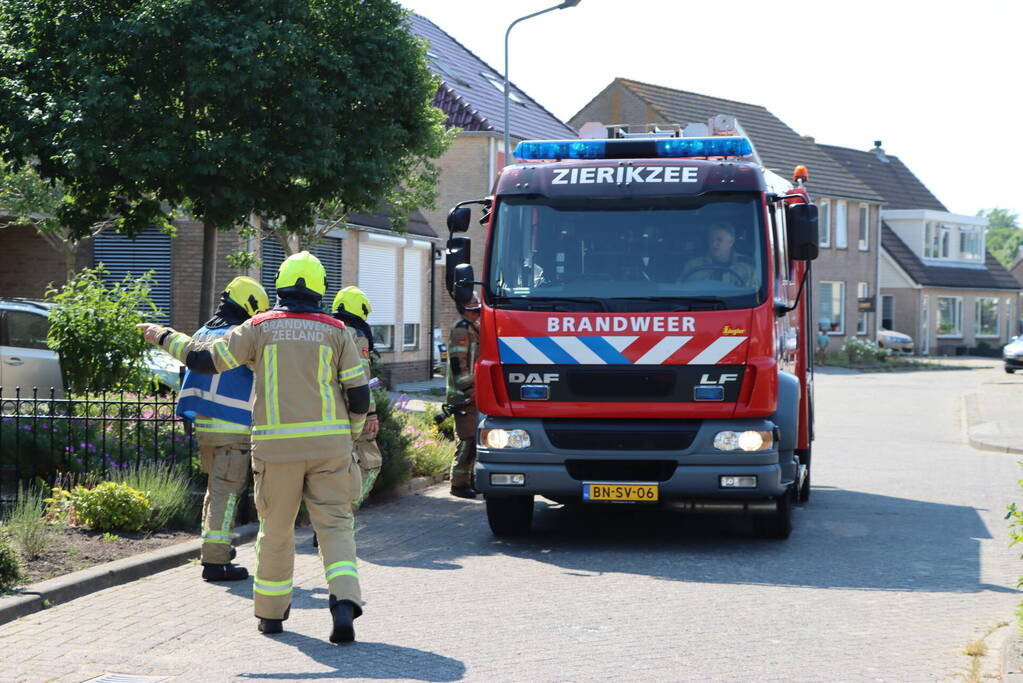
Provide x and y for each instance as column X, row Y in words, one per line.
column 628, row 255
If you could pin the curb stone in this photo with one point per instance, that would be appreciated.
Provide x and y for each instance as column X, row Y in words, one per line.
column 44, row 594
column 978, row 432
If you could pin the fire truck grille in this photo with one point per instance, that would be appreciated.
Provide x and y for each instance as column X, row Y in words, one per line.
column 622, row 385
column 621, row 470
column 621, row 435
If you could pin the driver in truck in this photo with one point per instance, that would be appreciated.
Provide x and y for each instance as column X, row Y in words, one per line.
column 720, row 262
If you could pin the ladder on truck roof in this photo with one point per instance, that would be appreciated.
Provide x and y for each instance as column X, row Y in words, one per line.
column 720, row 125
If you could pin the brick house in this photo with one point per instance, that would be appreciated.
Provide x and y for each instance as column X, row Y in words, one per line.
column 393, row 269
column 939, row 283
column 471, row 94
column 847, row 268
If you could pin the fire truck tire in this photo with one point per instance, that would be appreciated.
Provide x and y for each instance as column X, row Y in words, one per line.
column 510, row 515
column 778, row 524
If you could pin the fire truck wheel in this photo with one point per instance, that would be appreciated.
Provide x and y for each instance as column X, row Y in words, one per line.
column 510, row 515
column 777, row 524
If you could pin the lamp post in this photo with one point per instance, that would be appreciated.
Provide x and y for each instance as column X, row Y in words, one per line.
column 507, row 124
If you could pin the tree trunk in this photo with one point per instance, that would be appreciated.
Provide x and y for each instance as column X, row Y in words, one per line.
column 70, row 251
column 209, row 258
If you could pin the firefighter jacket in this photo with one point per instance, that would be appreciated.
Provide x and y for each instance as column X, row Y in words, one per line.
column 463, row 350
column 301, row 363
column 218, row 404
column 362, row 343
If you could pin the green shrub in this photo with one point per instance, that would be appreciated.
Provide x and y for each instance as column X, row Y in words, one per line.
column 432, row 452
column 1015, row 517
column 112, row 505
column 394, row 444
column 168, row 490
column 860, row 351
column 10, row 564
column 25, row 522
column 92, row 327
column 446, row 427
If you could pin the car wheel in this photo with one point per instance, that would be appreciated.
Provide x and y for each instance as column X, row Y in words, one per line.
column 510, row 515
column 778, row 524
column 1010, row 370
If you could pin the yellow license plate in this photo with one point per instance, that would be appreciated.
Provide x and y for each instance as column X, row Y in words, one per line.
column 623, row 492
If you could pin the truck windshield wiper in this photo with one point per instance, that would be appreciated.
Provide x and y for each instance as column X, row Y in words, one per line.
column 710, row 303
column 553, row 299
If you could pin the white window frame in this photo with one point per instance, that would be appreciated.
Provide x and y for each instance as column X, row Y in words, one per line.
column 416, row 336
column 841, row 225
column 841, row 301
column 976, row 318
column 863, row 238
column 957, row 332
column 824, row 213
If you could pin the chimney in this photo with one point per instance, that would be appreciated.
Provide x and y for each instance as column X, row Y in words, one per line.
column 879, row 152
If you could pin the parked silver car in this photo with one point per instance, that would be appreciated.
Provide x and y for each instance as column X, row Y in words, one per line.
column 896, row 341
column 1012, row 354
column 26, row 361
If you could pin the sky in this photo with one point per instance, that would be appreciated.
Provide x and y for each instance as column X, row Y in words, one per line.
column 940, row 83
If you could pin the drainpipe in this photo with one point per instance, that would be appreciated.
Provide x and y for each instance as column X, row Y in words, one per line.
column 433, row 307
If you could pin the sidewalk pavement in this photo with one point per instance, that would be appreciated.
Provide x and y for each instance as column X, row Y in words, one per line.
column 994, row 415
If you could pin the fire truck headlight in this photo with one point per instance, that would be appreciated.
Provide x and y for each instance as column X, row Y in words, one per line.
column 505, row 438
column 748, row 441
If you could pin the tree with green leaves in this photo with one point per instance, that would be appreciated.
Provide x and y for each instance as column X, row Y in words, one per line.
column 1004, row 236
column 26, row 200
column 222, row 109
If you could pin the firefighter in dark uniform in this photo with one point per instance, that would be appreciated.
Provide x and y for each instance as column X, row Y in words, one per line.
column 463, row 350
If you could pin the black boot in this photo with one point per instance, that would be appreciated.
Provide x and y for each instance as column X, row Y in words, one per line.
column 223, row 572
column 271, row 626
column 344, row 612
column 463, row 492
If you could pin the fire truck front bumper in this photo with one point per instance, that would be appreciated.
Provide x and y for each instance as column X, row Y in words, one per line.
column 651, row 461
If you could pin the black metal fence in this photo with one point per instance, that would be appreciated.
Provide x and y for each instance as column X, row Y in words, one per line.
column 43, row 435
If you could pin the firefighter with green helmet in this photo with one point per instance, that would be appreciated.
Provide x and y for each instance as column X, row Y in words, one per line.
column 221, row 411
column 351, row 306
column 463, row 350
column 311, row 401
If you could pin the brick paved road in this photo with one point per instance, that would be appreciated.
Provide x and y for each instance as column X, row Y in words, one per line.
column 898, row 561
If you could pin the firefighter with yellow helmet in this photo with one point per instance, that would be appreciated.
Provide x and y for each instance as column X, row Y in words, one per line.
column 221, row 411
column 311, row 401
column 351, row 306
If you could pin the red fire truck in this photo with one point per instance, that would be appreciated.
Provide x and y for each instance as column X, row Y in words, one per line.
column 645, row 332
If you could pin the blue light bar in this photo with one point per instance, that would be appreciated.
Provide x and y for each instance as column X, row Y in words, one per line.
column 633, row 148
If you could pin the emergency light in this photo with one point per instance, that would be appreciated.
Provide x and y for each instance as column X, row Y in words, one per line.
column 649, row 148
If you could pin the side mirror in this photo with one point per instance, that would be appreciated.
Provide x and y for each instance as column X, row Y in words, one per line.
column 458, row 219
column 459, row 251
column 803, row 240
column 464, row 279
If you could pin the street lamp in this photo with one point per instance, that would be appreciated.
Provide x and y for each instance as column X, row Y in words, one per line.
column 507, row 124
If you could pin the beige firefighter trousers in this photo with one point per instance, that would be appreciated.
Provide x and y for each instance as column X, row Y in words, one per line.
column 370, row 462
column 329, row 487
column 228, row 468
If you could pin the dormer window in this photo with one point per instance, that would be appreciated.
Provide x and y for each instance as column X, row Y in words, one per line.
column 971, row 244
column 937, row 240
